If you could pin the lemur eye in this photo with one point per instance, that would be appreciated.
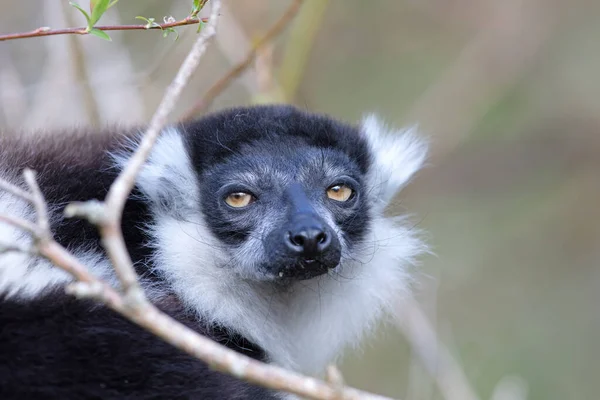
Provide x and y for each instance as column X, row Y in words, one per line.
column 340, row 193
column 239, row 199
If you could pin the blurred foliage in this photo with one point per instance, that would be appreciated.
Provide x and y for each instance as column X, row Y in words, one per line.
column 509, row 93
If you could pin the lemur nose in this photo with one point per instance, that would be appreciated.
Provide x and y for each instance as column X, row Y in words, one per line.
column 308, row 241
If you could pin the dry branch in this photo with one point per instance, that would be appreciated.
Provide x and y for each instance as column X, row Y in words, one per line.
column 435, row 357
column 234, row 72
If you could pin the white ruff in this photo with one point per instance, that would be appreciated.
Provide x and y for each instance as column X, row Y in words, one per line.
column 307, row 326
column 24, row 276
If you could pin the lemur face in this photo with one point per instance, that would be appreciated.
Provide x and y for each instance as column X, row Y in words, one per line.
column 265, row 221
column 282, row 195
column 286, row 210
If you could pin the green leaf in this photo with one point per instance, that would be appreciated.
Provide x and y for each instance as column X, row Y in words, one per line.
column 167, row 31
column 97, row 8
column 196, row 6
column 85, row 14
column 100, row 33
column 150, row 22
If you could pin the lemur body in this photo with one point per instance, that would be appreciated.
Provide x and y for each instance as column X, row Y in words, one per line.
column 260, row 227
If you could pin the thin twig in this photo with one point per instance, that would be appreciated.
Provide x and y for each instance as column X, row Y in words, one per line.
column 39, row 203
column 19, row 223
column 297, row 51
column 16, row 248
column 234, row 72
column 47, row 31
column 80, row 71
column 436, row 358
column 16, row 191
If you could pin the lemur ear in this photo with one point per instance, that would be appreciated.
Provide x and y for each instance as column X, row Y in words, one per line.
column 397, row 155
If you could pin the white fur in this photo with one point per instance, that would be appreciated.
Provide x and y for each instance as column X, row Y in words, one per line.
column 308, row 325
column 23, row 276
column 397, row 154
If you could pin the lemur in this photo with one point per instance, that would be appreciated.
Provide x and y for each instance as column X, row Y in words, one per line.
column 260, row 227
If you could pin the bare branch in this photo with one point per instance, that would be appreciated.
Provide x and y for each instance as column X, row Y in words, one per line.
column 46, row 31
column 436, row 358
column 19, row 223
column 234, row 72
column 15, row 190
column 16, row 248
column 38, row 203
column 297, row 51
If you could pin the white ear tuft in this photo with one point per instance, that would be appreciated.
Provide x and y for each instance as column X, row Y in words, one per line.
column 397, row 155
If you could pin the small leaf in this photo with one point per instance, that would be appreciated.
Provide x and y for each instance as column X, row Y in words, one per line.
column 200, row 26
column 100, row 33
column 85, row 14
column 195, row 7
column 149, row 22
column 167, row 31
column 97, row 8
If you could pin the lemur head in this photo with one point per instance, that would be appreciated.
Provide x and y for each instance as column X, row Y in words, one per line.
column 252, row 203
column 286, row 194
column 285, row 191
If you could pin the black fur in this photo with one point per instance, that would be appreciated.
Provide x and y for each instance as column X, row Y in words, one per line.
column 215, row 137
column 59, row 348
column 76, row 166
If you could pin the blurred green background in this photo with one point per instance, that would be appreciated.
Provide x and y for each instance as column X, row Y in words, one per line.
column 508, row 91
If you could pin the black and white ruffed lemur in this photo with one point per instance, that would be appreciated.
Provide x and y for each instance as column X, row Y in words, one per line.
column 260, row 227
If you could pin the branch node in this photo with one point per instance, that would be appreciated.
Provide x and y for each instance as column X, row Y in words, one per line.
column 92, row 210
column 334, row 376
column 134, row 297
column 239, row 369
column 85, row 290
